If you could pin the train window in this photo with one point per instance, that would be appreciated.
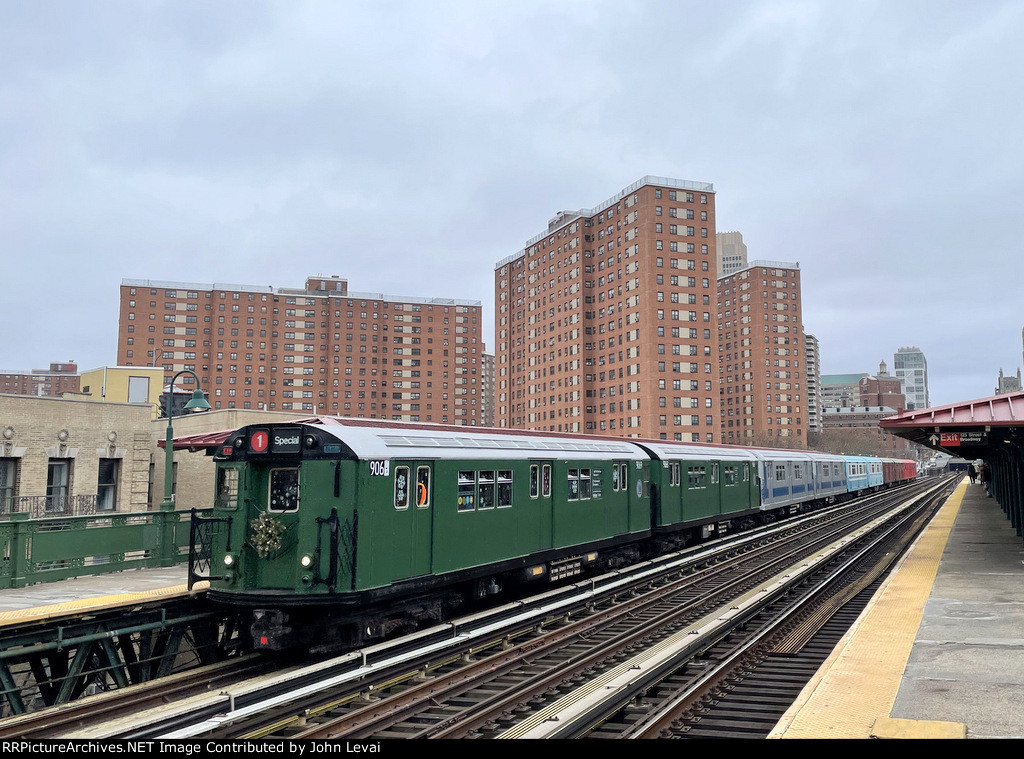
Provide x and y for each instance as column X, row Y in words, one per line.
column 284, row 490
column 574, row 484
column 422, row 487
column 584, row 483
column 534, row 481
column 780, row 472
column 697, row 477
column 622, row 475
column 714, row 474
column 615, row 477
column 485, row 497
column 401, row 487
column 227, row 488
column 504, row 488
column 746, row 474
column 797, row 472
column 467, row 491
column 545, row 480
column 729, row 475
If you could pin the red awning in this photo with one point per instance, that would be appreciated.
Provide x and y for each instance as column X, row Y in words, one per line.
column 998, row 410
column 967, row 429
column 199, row 441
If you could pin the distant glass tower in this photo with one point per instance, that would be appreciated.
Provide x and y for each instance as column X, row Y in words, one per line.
column 911, row 368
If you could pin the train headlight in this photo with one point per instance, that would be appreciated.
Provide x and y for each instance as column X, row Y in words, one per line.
column 306, row 561
column 229, row 560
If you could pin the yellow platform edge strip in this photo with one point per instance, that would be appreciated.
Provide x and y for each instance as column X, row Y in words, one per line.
column 95, row 603
column 852, row 694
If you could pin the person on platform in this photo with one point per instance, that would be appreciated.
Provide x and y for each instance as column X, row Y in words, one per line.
column 986, row 479
column 972, row 473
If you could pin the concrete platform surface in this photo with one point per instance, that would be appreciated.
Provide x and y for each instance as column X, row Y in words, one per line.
column 939, row 652
column 80, row 588
column 967, row 664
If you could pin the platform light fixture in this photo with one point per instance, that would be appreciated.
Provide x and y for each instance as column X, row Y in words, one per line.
column 198, row 402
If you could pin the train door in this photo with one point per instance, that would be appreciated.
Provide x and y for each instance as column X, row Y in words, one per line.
column 412, row 518
column 540, row 494
column 641, row 488
column 408, row 522
column 715, row 488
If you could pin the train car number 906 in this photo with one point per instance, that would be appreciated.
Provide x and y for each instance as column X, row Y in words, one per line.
column 380, row 468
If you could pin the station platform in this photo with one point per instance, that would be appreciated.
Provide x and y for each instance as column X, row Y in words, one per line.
column 45, row 599
column 939, row 651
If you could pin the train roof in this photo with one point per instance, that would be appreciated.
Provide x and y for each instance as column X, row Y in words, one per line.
column 372, row 442
column 856, row 459
column 378, row 438
column 429, row 441
column 668, row 450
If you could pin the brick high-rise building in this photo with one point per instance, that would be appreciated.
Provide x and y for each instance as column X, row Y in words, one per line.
column 763, row 391
column 487, row 390
column 58, row 379
column 882, row 390
column 320, row 349
column 605, row 321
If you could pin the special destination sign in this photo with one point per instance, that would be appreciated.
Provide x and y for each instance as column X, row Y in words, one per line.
column 286, row 440
column 275, row 440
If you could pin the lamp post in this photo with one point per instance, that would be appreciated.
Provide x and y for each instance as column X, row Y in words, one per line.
column 198, row 402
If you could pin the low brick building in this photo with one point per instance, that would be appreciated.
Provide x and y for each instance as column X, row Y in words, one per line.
column 59, row 378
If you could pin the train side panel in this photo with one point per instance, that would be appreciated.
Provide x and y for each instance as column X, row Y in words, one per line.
column 700, row 484
column 856, row 474
column 589, row 505
column 482, row 512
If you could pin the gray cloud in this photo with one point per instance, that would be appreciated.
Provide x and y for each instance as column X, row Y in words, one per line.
column 409, row 146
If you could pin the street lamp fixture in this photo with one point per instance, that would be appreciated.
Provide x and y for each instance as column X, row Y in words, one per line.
column 197, row 403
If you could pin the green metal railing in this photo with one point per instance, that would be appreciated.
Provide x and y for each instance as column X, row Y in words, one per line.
column 58, row 547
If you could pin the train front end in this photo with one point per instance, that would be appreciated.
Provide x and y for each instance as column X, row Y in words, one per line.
column 282, row 522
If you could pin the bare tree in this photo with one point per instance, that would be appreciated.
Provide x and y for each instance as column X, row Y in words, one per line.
column 861, row 441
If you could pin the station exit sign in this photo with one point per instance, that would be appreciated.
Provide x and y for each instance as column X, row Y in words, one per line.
column 962, row 438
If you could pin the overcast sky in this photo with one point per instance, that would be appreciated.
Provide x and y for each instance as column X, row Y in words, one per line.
column 409, row 146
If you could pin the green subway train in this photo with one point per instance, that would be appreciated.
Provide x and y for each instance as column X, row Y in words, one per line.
column 335, row 532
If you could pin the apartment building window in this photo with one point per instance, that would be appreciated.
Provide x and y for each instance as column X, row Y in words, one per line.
column 8, row 478
column 58, row 480
column 106, row 485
